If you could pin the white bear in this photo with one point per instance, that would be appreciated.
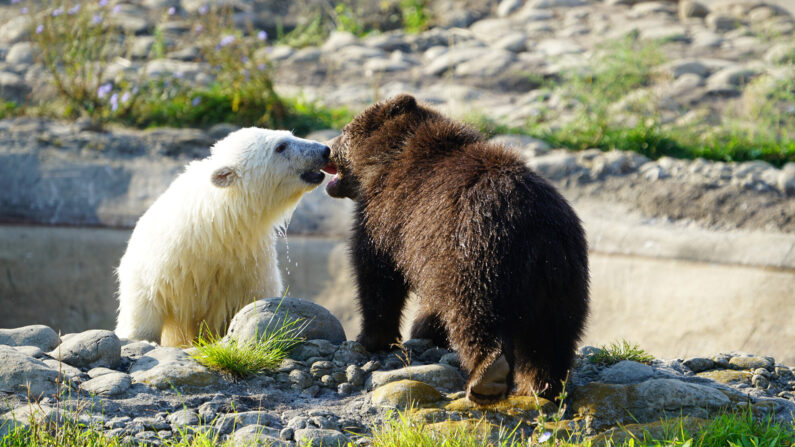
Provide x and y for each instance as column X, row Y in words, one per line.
column 206, row 246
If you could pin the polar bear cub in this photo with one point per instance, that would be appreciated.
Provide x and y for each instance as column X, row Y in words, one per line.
column 206, row 246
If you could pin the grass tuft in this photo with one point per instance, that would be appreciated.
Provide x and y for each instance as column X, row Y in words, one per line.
column 245, row 358
column 618, row 351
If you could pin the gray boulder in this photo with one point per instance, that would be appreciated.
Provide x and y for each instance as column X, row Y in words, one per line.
column 89, row 349
column 36, row 335
column 320, row 437
column 437, row 375
column 626, row 371
column 111, row 384
column 315, row 322
column 166, row 367
column 20, row 373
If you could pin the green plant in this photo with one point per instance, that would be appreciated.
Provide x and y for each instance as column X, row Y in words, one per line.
column 618, row 351
column 8, row 109
column 415, row 15
column 246, row 358
column 77, row 44
column 347, row 19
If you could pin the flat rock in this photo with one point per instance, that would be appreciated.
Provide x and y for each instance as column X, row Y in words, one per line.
column 626, row 371
column 229, row 422
column 256, row 435
column 163, row 367
column 727, row 376
column 37, row 335
column 20, row 373
column 648, row 401
column 436, row 375
column 89, row 349
column 183, row 418
column 698, row 364
column 320, row 437
column 751, row 362
column 405, row 394
column 260, row 316
column 111, row 384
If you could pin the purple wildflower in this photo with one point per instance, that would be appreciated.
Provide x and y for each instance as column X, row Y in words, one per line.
column 39, row 29
column 261, row 67
column 244, row 59
column 172, row 10
column 203, row 9
column 262, row 35
column 125, row 97
column 103, row 2
column 97, row 19
column 57, row 11
column 74, row 10
column 116, row 9
column 179, row 75
column 198, row 28
column 24, row 10
column 104, row 89
column 14, row 2
column 226, row 40
column 544, row 437
column 269, row 49
column 196, row 101
column 114, row 102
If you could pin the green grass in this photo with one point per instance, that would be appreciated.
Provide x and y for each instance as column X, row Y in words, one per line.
column 759, row 126
column 246, row 358
column 8, row 109
column 618, row 351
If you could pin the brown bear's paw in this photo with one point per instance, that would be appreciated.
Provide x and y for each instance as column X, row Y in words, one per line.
column 376, row 343
column 492, row 385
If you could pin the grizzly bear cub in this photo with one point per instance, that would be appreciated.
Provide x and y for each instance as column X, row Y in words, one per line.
column 496, row 255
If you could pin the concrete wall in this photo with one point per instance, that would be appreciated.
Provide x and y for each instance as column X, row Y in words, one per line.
column 63, row 277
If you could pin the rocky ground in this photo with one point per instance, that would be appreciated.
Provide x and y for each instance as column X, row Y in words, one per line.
column 330, row 390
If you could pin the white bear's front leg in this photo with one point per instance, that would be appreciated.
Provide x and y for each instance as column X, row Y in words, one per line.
column 138, row 319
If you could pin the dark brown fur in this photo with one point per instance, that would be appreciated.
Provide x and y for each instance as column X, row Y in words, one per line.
column 495, row 253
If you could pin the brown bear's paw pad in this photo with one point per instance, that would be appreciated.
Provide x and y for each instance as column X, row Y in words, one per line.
column 493, row 384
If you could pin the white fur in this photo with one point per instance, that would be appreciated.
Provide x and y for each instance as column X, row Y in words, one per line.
column 201, row 252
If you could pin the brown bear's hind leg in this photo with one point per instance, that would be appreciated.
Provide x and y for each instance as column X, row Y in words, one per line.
column 429, row 325
column 492, row 384
column 541, row 376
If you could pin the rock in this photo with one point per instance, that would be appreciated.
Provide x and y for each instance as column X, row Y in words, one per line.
column 313, row 348
column 698, row 364
column 665, row 33
column 136, row 349
column 760, row 381
column 68, row 372
column 626, row 371
column 354, row 375
column 36, row 335
column 183, row 417
column 786, row 179
column 350, row 352
column 527, row 145
column 320, row 437
column 90, row 349
column 554, row 165
column 506, row 7
column 229, row 422
column 13, row 87
column 308, row 54
column 33, row 351
column 647, row 401
column 721, row 22
column 20, row 373
column 315, row 321
column 734, row 76
column 111, row 384
column 781, row 53
column 159, row 68
column 513, row 42
column 451, row 359
column 438, row 375
column 301, row 379
column 617, row 163
column 165, row 367
column 405, row 394
column 525, row 407
column 257, row 435
column 692, row 9
column 321, row 368
column 727, row 376
column 558, row 47
column 751, row 362
column 16, row 29
column 679, row 67
column 337, row 40
column 542, row 4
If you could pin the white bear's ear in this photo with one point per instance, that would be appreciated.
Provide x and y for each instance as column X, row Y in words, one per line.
column 223, row 177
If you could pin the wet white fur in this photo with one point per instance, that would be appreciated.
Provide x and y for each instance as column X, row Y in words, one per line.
column 201, row 252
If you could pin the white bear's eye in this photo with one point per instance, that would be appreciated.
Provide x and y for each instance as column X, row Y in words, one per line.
column 281, row 147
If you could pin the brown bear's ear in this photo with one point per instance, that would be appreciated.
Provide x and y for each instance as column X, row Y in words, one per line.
column 223, row 177
column 402, row 104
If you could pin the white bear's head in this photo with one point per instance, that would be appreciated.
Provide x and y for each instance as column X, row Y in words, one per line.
column 269, row 162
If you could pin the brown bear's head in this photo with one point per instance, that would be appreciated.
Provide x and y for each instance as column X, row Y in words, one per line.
column 371, row 142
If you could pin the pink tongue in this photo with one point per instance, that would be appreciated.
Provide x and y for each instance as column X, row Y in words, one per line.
column 330, row 168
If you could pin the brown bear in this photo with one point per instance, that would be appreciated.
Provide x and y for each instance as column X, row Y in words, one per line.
column 496, row 255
